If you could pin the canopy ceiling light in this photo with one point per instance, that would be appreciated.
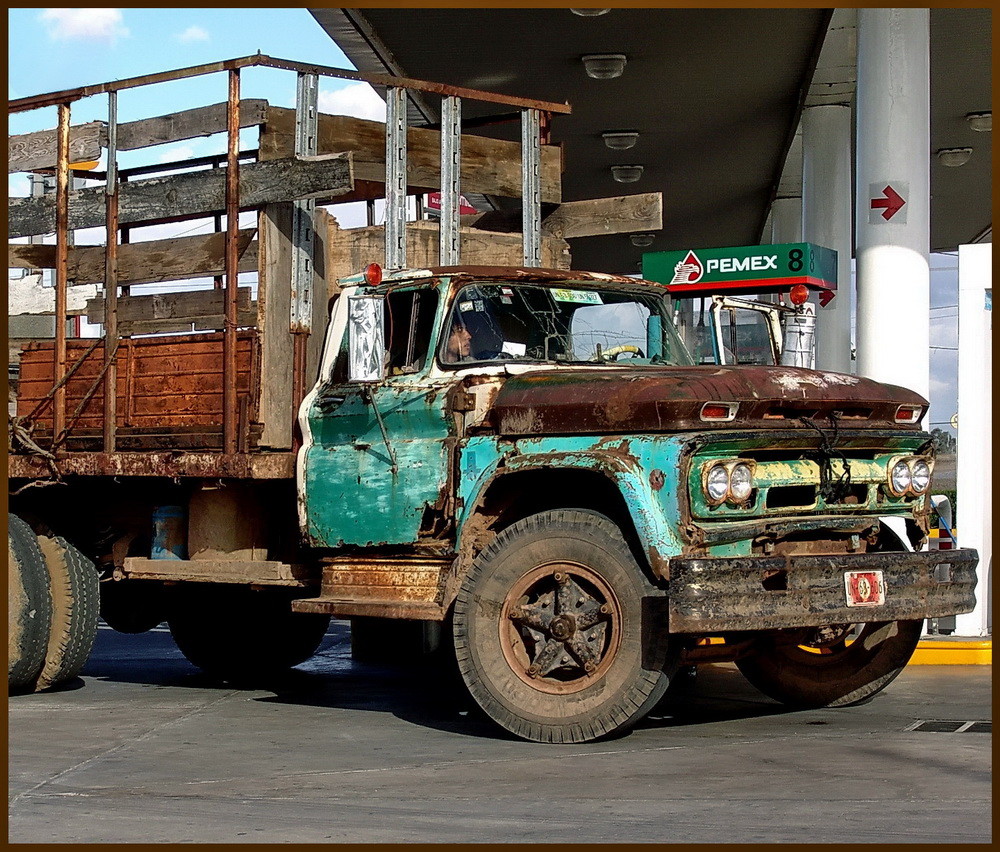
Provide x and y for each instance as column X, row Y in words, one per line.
column 980, row 121
column 626, row 174
column 619, row 140
column 604, row 66
column 589, row 13
column 641, row 240
column 954, row 156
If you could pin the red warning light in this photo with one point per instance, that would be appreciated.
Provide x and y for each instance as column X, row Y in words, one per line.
column 373, row 275
column 799, row 294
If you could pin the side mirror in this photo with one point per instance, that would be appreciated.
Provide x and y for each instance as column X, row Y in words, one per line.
column 365, row 339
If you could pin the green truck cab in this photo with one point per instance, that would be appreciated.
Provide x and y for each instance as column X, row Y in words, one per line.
column 532, row 457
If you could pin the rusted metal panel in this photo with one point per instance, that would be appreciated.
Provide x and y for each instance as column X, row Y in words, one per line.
column 156, row 464
column 400, row 579
column 418, row 610
column 163, row 382
column 263, row 572
column 629, row 400
column 763, row 593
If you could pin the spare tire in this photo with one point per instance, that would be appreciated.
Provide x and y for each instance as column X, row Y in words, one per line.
column 75, row 595
column 29, row 608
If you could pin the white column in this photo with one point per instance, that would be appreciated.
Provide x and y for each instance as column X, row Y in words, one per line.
column 826, row 221
column 786, row 220
column 974, row 511
column 893, row 118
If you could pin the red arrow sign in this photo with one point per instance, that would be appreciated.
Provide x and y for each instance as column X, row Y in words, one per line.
column 892, row 203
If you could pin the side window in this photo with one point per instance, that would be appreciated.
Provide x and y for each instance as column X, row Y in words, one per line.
column 409, row 320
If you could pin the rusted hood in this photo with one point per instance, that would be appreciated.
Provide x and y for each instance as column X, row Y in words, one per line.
column 575, row 401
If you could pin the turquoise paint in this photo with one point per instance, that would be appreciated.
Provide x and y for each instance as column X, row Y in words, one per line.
column 351, row 494
column 656, row 514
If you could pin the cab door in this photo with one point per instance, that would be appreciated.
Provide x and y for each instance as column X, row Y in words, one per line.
column 351, row 492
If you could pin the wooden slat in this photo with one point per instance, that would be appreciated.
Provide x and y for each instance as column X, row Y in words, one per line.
column 188, row 124
column 273, row 318
column 624, row 214
column 489, row 166
column 25, row 256
column 174, row 311
column 157, row 261
column 30, row 151
column 188, row 195
column 350, row 250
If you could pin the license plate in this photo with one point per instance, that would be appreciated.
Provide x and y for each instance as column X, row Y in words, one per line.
column 864, row 588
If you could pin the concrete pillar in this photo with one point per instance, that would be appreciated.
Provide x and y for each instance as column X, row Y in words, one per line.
column 974, row 510
column 826, row 221
column 786, row 220
column 893, row 240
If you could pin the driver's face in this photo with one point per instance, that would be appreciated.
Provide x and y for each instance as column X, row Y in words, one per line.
column 458, row 342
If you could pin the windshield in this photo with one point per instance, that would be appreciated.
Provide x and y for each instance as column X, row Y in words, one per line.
column 524, row 323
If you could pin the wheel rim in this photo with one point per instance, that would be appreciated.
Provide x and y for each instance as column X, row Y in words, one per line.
column 560, row 627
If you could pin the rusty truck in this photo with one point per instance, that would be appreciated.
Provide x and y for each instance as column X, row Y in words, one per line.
column 524, row 456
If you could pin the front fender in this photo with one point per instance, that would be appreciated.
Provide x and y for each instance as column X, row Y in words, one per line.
column 644, row 471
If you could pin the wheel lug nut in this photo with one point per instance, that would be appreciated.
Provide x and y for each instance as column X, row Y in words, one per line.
column 589, row 666
column 605, row 609
column 559, row 577
column 533, row 671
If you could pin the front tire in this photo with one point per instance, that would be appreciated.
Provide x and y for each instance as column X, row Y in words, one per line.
column 556, row 630
column 833, row 666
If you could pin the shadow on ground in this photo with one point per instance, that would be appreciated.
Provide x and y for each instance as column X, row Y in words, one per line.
column 428, row 693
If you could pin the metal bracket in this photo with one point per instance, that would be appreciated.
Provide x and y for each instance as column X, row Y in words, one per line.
column 451, row 158
column 303, row 233
column 531, row 191
column 395, row 178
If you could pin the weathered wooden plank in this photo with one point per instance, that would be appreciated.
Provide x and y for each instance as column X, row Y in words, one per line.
column 188, row 124
column 30, row 151
column 624, row 214
column 28, row 256
column 350, row 250
column 188, row 195
column 160, row 312
column 489, row 166
column 273, row 318
column 157, row 261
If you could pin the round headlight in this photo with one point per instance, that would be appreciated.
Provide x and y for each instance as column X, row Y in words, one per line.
column 921, row 476
column 741, row 483
column 717, row 484
column 900, row 477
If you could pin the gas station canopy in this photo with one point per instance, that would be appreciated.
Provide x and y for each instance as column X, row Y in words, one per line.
column 715, row 96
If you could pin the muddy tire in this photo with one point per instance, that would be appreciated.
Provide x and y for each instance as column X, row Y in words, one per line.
column 29, row 608
column 833, row 669
column 243, row 635
column 75, row 596
column 554, row 630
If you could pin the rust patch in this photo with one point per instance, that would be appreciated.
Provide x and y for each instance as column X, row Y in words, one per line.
column 656, row 479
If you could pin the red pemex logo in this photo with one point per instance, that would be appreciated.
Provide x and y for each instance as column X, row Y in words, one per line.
column 689, row 270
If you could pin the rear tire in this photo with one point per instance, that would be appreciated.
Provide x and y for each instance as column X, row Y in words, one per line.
column 243, row 635
column 75, row 596
column 813, row 673
column 558, row 634
column 29, row 607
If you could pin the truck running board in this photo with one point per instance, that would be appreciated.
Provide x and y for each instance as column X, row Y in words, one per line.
column 418, row 610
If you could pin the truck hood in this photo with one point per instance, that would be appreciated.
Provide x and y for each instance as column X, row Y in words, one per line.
column 669, row 399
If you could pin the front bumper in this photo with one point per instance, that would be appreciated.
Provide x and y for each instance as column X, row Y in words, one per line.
column 764, row 592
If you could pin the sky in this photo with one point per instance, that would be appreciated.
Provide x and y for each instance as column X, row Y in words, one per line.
column 89, row 46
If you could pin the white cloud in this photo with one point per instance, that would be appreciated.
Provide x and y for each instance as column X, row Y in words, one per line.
column 87, row 24
column 177, row 153
column 357, row 99
column 193, row 33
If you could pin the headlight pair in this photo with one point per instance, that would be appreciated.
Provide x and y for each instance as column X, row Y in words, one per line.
column 908, row 476
column 729, row 481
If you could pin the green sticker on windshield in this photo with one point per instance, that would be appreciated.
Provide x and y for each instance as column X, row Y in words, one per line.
column 581, row 297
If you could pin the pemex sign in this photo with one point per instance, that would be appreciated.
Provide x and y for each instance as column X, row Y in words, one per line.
column 744, row 269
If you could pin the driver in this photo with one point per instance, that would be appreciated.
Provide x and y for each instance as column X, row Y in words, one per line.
column 459, row 342
column 472, row 337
